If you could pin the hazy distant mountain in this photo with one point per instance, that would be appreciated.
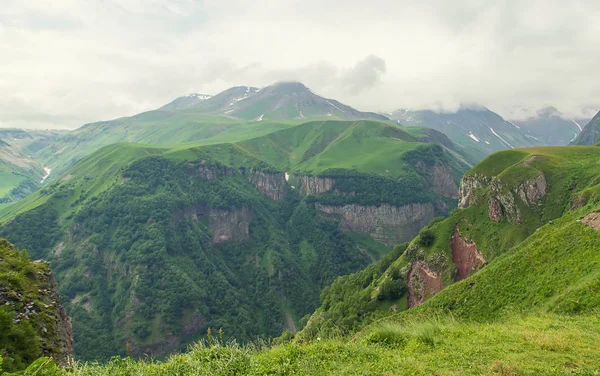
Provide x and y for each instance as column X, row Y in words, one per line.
column 553, row 128
column 475, row 128
column 186, row 101
column 281, row 101
column 590, row 135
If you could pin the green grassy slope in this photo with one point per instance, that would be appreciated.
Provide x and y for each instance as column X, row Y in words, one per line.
column 545, row 236
column 546, row 345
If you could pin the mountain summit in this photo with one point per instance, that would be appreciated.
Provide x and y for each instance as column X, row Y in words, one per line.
column 280, row 101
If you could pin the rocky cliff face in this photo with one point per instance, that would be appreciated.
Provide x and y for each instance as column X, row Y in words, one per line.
column 422, row 283
column 272, row 185
column 34, row 298
column 443, row 182
column 224, row 224
column 313, row 185
column 502, row 198
column 465, row 256
column 467, row 192
column 386, row 224
column 502, row 201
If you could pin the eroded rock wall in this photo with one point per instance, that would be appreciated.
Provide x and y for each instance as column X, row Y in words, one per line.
column 422, row 283
column 386, row 224
column 465, row 256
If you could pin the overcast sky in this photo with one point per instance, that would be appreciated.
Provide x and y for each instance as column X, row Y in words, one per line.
column 67, row 62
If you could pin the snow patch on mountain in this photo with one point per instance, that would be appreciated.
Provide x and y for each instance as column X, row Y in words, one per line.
column 473, row 136
column 339, row 109
column 501, row 139
column 578, row 126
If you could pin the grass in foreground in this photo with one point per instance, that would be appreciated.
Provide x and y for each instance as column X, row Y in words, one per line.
column 544, row 345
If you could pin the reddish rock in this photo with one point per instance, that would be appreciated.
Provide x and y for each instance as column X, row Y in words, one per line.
column 465, row 255
column 422, row 283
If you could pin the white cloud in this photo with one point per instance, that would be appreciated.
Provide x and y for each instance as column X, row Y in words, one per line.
column 67, row 62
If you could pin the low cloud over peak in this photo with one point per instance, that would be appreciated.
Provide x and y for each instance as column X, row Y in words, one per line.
column 93, row 60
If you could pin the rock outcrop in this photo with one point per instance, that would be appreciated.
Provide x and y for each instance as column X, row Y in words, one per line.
column 386, row 224
column 530, row 193
column 422, row 283
column 469, row 185
column 230, row 224
column 313, row 185
column 272, row 185
column 465, row 256
column 443, row 182
column 224, row 224
column 593, row 220
column 502, row 198
column 33, row 298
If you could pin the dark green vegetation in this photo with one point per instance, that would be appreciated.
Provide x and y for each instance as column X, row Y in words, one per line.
column 32, row 323
column 552, row 128
column 590, row 134
column 478, row 130
column 153, row 245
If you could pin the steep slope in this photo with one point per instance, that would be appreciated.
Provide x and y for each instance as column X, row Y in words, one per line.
column 19, row 174
column 590, row 135
column 153, row 245
column 551, row 127
column 32, row 321
column 20, row 171
column 477, row 129
column 522, row 221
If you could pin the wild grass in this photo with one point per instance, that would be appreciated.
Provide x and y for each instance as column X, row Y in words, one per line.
column 518, row 345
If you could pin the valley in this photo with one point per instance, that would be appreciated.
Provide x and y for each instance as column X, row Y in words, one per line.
column 274, row 213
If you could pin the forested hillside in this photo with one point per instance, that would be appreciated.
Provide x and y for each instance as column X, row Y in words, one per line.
column 153, row 245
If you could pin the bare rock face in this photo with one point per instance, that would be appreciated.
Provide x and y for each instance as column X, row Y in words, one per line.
column 386, row 224
column 231, row 224
column 468, row 189
column 225, row 224
column 465, row 256
column 530, row 192
column 61, row 348
column 272, row 185
column 313, row 185
column 495, row 210
column 443, row 183
column 211, row 172
column 592, row 219
column 533, row 190
column 422, row 283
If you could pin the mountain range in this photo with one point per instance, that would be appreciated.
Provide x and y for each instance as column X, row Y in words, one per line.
column 257, row 212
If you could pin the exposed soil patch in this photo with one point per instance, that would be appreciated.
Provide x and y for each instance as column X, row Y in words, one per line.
column 592, row 219
column 422, row 283
column 465, row 255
